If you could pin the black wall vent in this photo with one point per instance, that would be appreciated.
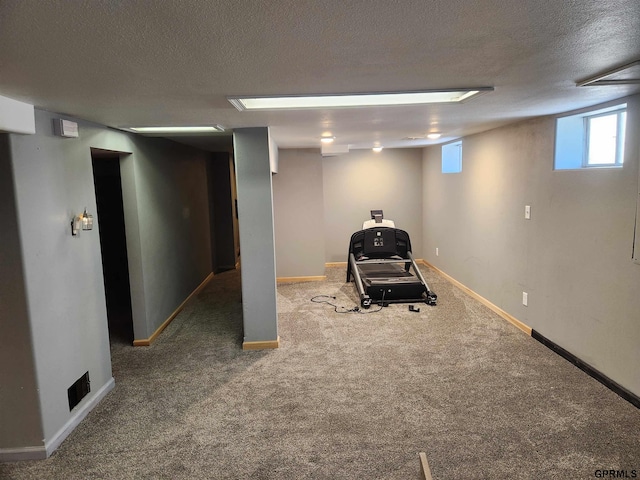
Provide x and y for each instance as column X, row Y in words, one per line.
column 78, row 390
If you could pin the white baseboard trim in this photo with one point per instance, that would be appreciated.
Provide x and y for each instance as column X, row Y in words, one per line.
column 75, row 420
column 50, row 446
column 23, row 453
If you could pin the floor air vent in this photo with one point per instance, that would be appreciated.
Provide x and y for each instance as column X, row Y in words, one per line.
column 78, row 390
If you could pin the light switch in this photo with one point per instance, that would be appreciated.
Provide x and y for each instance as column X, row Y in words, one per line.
column 527, row 212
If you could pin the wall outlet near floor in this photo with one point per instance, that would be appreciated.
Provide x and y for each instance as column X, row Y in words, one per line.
column 437, row 251
column 525, row 298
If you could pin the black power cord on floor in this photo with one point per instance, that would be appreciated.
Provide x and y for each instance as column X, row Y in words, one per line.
column 340, row 309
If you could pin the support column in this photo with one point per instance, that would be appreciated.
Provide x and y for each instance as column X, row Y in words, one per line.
column 257, row 243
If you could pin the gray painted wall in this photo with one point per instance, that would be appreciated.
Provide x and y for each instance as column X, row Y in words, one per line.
column 20, row 424
column 63, row 274
column 174, row 229
column 257, row 244
column 363, row 180
column 166, row 217
column 299, row 214
column 320, row 202
column 573, row 257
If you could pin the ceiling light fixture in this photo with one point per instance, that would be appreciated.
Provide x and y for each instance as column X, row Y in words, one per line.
column 194, row 129
column 377, row 149
column 295, row 102
column 434, row 136
column 628, row 74
column 327, row 139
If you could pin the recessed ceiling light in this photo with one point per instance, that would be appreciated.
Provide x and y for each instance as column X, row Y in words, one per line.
column 434, row 136
column 199, row 129
column 355, row 99
column 326, row 139
column 377, row 149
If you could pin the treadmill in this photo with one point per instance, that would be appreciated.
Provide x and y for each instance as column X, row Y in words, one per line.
column 383, row 267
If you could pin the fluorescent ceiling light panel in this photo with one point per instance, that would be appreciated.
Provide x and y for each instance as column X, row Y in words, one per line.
column 295, row 102
column 208, row 128
column 628, row 74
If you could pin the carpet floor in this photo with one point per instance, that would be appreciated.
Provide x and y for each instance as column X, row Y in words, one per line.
column 346, row 396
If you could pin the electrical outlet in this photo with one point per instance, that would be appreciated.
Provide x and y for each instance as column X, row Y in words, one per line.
column 527, row 212
column 437, row 252
column 525, row 298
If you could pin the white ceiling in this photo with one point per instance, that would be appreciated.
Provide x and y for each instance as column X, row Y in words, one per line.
column 174, row 62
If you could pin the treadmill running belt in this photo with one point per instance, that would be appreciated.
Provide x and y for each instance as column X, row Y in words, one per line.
column 390, row 282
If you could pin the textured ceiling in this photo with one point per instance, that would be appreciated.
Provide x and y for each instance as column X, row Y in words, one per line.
column 174, row 62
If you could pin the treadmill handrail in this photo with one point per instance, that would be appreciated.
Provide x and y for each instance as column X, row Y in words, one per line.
column 418, row 272
column 364, row 298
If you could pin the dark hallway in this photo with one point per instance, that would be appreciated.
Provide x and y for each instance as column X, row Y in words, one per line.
column 107, row 180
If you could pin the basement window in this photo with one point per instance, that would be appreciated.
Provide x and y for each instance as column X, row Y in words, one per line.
column 591, row 139
column 452, row 157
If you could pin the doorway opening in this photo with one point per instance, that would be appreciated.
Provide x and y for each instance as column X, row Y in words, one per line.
column 113, row 245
